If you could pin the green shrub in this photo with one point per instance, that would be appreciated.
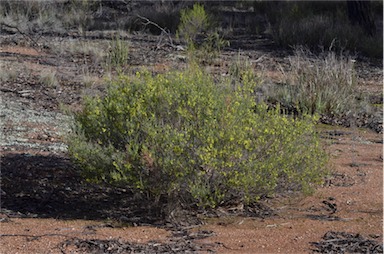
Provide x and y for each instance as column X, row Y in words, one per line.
column 193, row 23
column 196, row 28
column 182, row 136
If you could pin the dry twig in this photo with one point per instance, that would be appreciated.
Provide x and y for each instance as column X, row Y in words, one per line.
column 25, row 35
column 163, row 32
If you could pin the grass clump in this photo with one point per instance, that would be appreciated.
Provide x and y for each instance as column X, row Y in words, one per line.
column 8, row 73
column 48, row 78
column 181, row 137
column 324, row 85
column 117, row 56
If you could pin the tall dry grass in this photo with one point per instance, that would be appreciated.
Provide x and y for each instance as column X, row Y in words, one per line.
column 324, row 84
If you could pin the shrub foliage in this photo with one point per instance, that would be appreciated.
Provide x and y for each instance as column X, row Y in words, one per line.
column 182, row 136
column 193, row 23
column 197, row 30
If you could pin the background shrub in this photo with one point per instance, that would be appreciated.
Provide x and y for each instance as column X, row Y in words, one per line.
column 193, row 23
column 197, row 30
column 182, row 137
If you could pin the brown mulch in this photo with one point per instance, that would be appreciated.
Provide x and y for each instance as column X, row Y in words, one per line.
column 343, row 242
column 181, row 242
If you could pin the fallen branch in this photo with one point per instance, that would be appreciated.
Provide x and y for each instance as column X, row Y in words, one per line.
column 163, row 31
column 25, row 35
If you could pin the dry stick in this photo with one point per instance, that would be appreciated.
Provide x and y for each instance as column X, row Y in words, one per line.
column 163, row 31
column 21, row 32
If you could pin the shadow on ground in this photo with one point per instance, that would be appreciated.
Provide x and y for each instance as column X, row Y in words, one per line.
column 51, row 187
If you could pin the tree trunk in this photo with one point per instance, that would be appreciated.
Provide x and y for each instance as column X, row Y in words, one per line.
column 360, row 13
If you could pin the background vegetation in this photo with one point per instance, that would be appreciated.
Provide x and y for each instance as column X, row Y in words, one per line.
column 288, row 23
column 326, row 25
column 188, row 137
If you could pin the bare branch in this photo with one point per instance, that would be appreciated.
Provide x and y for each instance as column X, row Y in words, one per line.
column 163, row 31
column 27, row 36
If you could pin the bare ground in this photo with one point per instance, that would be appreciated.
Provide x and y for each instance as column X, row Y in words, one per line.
column 47, row 208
